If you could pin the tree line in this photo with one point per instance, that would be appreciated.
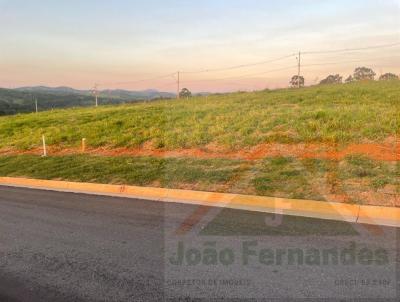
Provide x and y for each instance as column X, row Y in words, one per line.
column 359, row 74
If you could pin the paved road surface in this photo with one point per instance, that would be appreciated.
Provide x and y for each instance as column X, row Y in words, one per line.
column 75, row 247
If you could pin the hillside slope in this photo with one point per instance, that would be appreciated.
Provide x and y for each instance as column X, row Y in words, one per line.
column 339, row 114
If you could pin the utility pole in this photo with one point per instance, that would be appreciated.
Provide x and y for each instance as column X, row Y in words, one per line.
column 95, row 94
column 178, row 86
column 299, row 70
column 36, row 106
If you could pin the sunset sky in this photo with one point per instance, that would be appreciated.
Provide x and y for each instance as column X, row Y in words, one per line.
column 117, row 43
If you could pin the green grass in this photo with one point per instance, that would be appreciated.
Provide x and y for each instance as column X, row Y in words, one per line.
column 143, row 171
column 280, row 177
column 288, row 177
column 335, row 114
column 315, row 178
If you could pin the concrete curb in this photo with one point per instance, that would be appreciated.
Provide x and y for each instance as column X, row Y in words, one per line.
column 375, row 215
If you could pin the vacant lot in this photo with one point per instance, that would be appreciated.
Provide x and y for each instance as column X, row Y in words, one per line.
column 334, row 143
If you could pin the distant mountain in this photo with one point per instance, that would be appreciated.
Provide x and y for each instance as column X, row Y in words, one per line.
column 136, row 95
column 113, row 93
column 51, row 90
column 21, row 100
column 202, row 93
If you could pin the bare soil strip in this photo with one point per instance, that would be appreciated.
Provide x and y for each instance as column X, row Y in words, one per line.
column 384, row 152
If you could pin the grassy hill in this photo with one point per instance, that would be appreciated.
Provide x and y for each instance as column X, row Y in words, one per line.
column 343, row 114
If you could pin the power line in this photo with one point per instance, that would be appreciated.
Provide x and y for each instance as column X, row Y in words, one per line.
column 142, row 80
column 352, row 49
column 281, row 69
column 342, row 62
column 264, row 72
column 244, row 76
column 289, row 56
column 240, row 66
column 167, row 84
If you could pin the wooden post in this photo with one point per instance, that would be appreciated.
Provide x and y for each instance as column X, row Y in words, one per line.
column 83, row 145
column 44, row 146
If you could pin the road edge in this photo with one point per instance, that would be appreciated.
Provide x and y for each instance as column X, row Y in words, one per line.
column 374, row 215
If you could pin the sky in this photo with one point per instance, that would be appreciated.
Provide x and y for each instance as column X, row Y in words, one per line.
column 132, row 44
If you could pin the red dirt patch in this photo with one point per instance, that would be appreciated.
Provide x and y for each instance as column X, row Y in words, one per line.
column 384, row 152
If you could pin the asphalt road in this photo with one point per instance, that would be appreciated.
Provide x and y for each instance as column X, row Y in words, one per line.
column 76, row 247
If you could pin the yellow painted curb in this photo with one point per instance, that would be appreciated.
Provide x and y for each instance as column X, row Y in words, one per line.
column 295, row 207
column 305, row 208
column 379, row 215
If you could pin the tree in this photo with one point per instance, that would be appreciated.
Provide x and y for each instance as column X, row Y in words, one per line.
column 349, row 79
column 332, row 79
column 294, row 82
column 185, row 93
column 363, row 73
column 388, row 76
